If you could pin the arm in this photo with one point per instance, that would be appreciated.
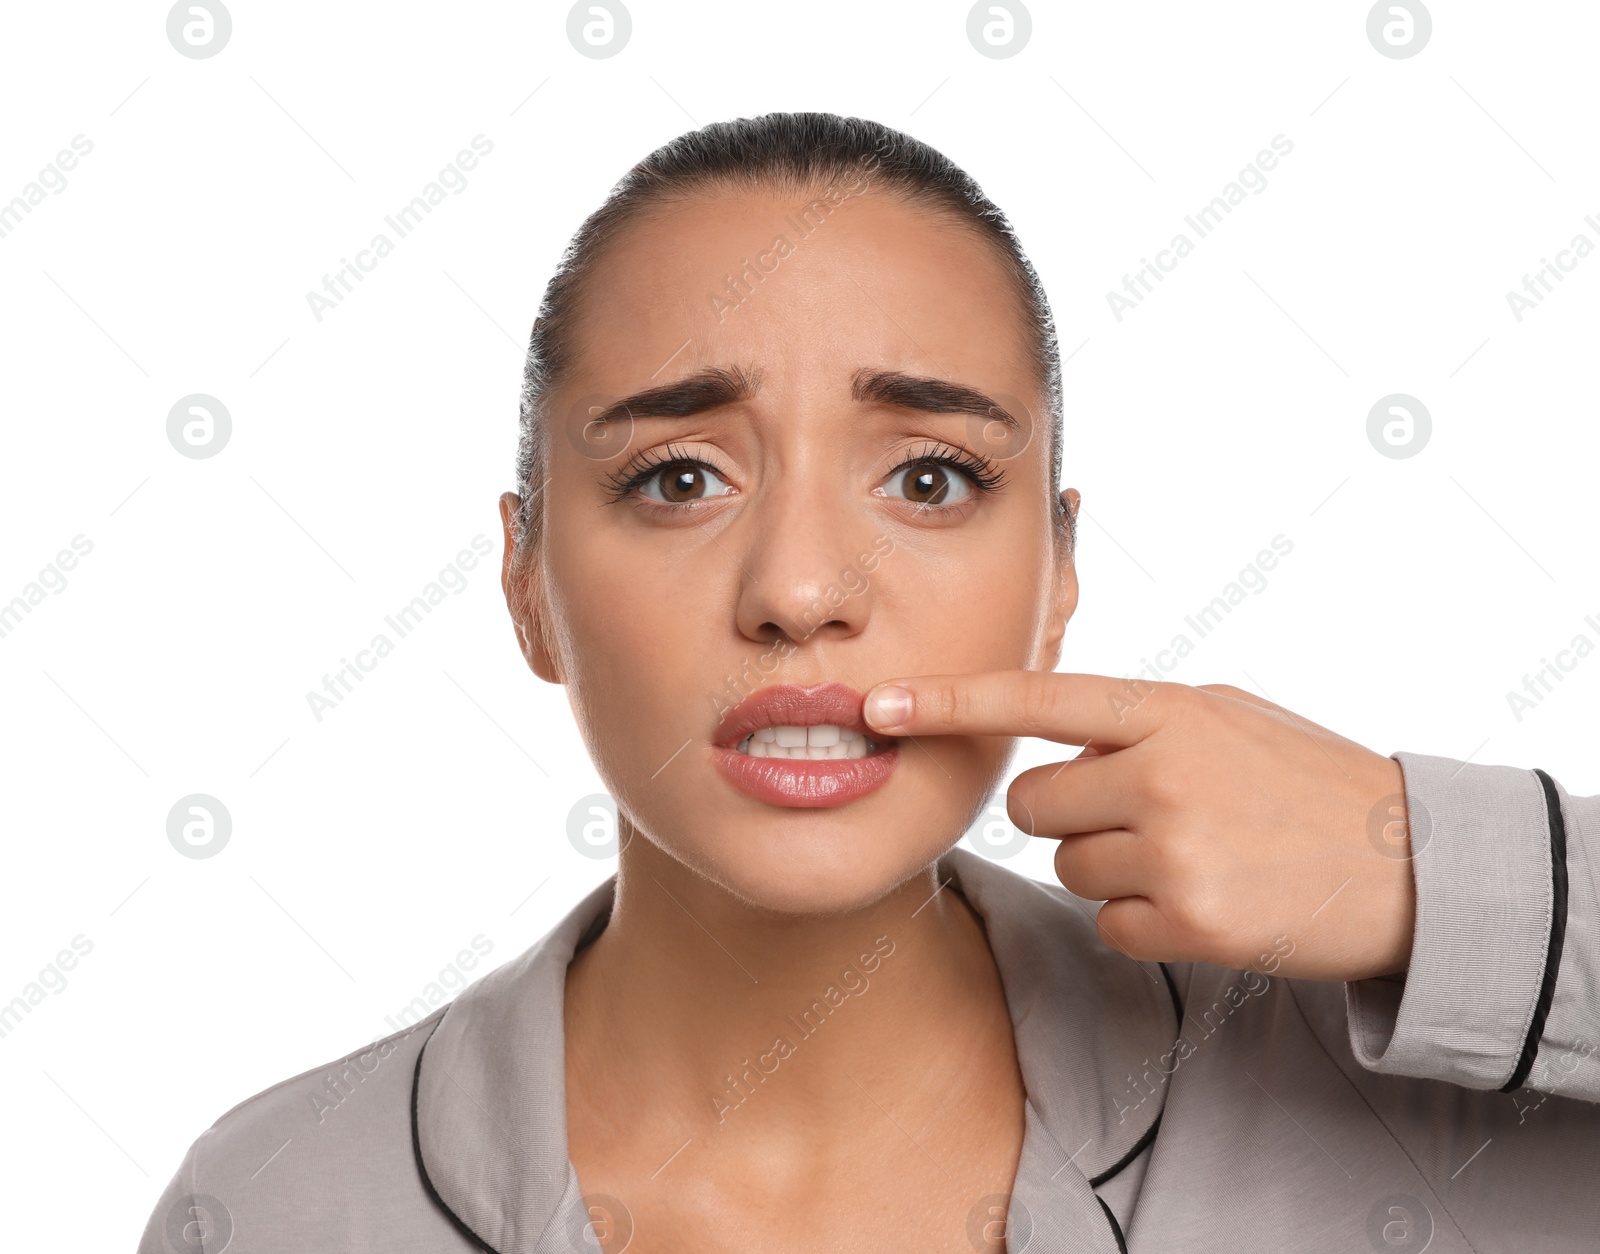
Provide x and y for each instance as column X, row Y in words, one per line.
column 1503, row 990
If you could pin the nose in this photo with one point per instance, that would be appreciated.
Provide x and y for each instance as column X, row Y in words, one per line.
column 808, row 558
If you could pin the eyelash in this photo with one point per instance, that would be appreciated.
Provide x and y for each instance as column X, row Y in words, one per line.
column 984, row 475
column 644, row 467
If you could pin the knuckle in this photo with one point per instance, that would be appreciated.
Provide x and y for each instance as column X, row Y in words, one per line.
column 1164, row 787
column 1186, row 916
column 1196, row 911
column 1040, row 702
column 1116, row 926
column 944, row 703
column 1166, row 692
column 1109, row 937
column 1163, row 701
column 1179, row 701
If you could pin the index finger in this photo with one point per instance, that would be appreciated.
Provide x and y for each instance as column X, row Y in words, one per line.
column 1065, row 707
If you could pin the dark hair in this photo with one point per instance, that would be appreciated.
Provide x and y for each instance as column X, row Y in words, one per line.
column 798, row 152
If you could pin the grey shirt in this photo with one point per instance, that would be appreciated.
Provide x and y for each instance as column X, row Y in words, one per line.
column 1171, row 1107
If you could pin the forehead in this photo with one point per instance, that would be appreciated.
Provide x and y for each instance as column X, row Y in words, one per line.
column 803, row 289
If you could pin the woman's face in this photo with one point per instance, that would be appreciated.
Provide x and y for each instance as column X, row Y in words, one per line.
column 782, row 524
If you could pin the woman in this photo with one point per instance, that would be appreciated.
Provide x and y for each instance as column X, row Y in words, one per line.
column 791, row 429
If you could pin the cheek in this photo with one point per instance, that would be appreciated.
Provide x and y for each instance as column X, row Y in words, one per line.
column 634, row 648
column 977, row 612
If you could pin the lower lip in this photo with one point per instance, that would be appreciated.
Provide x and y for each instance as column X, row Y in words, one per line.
column 799, row 782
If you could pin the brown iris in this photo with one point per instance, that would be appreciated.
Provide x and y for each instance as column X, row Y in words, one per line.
column 928, row 485
column 686, row 483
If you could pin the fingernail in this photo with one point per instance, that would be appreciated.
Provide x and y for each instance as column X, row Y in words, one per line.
column 888, row 707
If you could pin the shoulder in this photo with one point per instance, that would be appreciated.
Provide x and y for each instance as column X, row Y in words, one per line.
column 305, row 1157
column 317, row 1096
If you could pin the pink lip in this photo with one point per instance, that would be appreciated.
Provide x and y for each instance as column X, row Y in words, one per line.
column 791, row 782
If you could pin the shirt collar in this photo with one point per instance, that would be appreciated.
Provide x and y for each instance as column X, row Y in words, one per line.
column 1092, row 1029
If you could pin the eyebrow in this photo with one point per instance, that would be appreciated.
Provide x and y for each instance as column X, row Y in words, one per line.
column 716, row 386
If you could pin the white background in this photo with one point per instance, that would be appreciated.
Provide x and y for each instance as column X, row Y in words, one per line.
column 368, row 449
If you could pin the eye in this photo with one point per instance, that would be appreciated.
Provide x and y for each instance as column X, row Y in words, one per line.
column 940, row 477
column 929, row 482
column 666, row 479
column 681, row 483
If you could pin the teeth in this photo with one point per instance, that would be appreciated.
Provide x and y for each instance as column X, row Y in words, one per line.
column 815, row 744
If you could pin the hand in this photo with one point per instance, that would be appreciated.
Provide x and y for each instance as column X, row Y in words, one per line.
column 1216, row 826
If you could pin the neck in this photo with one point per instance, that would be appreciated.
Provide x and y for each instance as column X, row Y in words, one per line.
column 703, row 1016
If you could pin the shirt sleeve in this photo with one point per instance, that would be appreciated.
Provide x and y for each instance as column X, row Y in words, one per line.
column 1503, row 988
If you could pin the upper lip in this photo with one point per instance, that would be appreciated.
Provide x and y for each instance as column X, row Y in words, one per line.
column 794, row 706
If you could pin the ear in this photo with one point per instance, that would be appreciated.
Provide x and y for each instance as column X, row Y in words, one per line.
column 1066, row 600
column 523, row 585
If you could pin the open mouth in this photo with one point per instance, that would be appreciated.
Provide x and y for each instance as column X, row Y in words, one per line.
column 789, row 745
column 819, row 742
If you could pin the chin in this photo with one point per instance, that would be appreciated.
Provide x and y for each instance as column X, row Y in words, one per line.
column 818, row 861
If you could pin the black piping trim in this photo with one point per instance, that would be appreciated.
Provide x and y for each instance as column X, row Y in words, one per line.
column 1096, row 1182
column 1172, row 987
column 1558, row 931
column 416, row 1148
column 1138, row 1146
column 1134, row 1152
column 1116, row 1228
